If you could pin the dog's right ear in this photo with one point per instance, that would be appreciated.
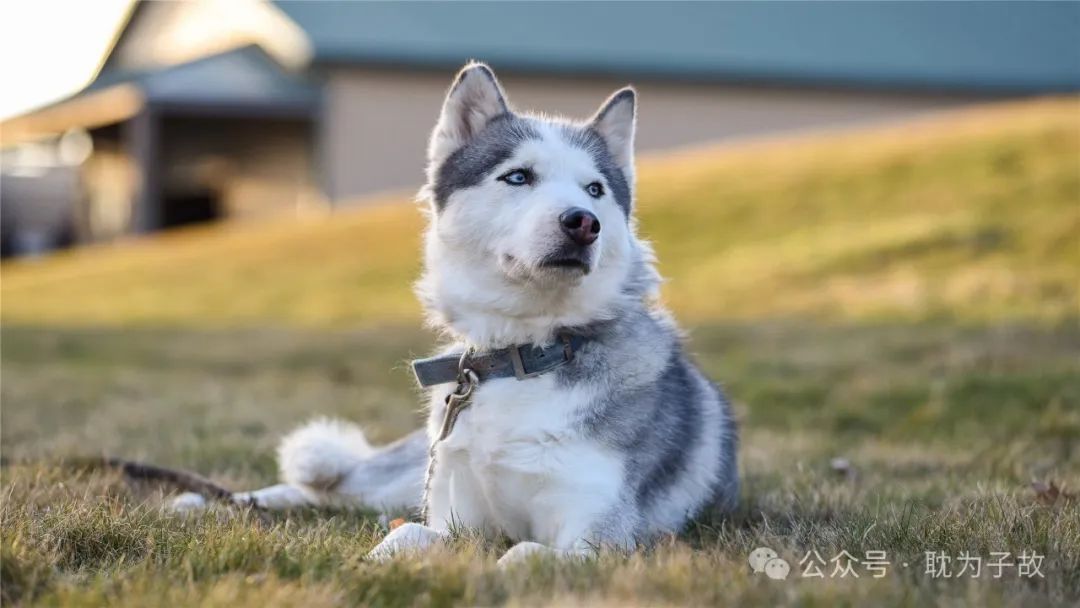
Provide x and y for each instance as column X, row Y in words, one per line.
column 474, row 99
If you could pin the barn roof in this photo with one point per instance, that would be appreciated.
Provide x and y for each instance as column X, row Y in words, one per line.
column 242, row 81
column 1009, row 46
column 243, row 77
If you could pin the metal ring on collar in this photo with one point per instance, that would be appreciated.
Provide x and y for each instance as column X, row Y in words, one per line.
column 466, row 377
column 461, row 364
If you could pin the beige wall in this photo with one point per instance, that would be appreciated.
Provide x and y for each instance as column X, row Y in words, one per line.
column 376, row 123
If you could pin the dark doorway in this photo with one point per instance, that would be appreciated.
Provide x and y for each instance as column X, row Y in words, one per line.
column 179, row 209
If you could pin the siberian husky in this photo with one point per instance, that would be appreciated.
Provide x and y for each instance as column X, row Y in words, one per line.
column 564, row 412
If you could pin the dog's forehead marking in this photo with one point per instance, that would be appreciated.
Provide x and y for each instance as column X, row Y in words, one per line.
column 552, row 155
column 471, row 163
column 501, row 139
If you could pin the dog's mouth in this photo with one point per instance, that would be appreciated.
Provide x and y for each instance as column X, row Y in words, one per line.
column 559, row 266
column 572, row 263
column 566, row 263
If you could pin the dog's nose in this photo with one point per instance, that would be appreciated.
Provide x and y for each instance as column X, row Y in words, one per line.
column 580, row 225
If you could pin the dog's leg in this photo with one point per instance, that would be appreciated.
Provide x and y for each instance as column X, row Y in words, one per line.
column 580, row 537
column 442, row 516
column 276, row 498
column 411, row 539
column 406, row 540
column 524, row 551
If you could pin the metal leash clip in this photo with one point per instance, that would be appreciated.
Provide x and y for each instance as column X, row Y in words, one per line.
column 455, row 402
column 459, row 399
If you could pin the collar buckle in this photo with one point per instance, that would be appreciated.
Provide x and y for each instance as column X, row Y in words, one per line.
column 518, row 361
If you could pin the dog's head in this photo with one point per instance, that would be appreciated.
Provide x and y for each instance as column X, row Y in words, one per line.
column 531, row 225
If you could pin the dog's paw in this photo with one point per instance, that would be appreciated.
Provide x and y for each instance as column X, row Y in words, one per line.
column 406, row 539
column 521, row 552
column 188, row 503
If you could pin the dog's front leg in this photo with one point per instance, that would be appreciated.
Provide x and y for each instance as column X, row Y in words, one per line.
column 412, row 539
column 524, row 550
column 406, row 540
column 578, row 538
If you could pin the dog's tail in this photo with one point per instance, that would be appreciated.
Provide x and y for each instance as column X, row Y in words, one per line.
column 141, row 471
column 334, row 460
column 320, row 454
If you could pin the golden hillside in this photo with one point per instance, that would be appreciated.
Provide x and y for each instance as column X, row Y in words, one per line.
column 973, row 215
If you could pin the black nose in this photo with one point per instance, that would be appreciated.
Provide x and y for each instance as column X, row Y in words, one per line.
column 580, row 225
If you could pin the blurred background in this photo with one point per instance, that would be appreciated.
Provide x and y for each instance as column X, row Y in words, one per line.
column 867, row 215
column 205, row 111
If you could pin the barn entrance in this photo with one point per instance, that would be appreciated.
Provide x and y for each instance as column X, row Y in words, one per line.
column 180, row 209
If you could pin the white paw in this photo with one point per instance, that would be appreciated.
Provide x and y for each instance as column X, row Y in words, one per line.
column 522, row 552
column 188, row 502
column 406, row 539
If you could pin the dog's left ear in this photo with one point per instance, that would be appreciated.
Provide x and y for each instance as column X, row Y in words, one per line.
column 615, row 122
column 473, row 100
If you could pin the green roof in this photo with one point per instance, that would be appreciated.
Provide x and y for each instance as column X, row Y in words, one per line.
column 1009, row 46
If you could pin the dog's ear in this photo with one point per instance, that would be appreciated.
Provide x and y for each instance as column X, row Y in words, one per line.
column 615, row 122
column 473, row 100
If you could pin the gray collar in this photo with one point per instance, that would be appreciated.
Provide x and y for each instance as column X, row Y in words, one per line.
column 519, row 361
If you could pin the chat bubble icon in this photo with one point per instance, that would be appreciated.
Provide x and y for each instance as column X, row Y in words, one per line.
column 759, row 557
column 777, row 569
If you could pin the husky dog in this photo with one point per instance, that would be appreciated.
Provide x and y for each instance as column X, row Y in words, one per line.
column 577, row 420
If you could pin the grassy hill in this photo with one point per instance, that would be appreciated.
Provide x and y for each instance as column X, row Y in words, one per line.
column 974, row 215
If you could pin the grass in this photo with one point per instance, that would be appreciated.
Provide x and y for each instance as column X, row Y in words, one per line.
column 973, row 214
column 904, row 299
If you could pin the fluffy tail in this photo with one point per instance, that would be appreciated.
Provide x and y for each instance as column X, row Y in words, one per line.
column 320, row 454
column 333, row 461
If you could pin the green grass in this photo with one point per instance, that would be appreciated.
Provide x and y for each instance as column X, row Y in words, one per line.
column 944, row 427
column 973, row 214
column 905, row 299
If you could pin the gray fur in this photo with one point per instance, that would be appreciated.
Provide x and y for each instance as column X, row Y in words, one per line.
column 592, row 142
column 404, row 457
column 652, row 413
column 627, row 94
column 726, row 495
column 475, row 160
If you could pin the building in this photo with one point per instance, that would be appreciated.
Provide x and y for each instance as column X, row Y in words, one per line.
column 207, row 110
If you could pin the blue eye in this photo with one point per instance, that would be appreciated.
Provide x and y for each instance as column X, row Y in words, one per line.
column 518, row 177
column 595, row 189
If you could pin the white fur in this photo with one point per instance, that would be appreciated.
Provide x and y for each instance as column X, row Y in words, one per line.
column 320, row 454
column 404, row 541
column 514, row 464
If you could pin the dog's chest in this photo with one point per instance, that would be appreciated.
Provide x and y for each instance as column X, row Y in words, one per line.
column 513, row 424
column 515, row 447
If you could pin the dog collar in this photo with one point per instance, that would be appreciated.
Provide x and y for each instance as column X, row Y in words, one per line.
column 519, row 361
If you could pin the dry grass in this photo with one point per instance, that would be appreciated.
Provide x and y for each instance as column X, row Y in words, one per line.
column 945, row 428
column 975, row 211
column 926, row 277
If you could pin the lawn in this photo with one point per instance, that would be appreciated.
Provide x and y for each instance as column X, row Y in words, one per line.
column 904, row 299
